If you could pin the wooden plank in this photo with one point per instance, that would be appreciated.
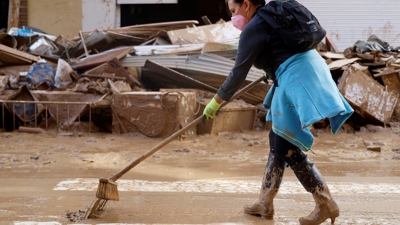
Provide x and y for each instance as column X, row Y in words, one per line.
column 339, row 63
column 103, row 76
column 182, row 23
column 213, row 47
column 13, row 13
column 95, row 60
column 112, row 67
column 332, row 55
column 397, row 72
column 330, row 44
column 11, row 57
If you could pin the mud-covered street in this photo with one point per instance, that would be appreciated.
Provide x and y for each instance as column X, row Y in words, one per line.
column 203, row 180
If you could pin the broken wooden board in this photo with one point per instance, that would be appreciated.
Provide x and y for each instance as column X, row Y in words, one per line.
column 214, row 47
column 11, row 57
column 332, row 55
column 387, row 72
column 166, row 49
column 159, row 26
column 95, row 60
column 369, row 98
column 330, row 44
column 221, row 33
column 111, row 67
column 357, row 67
column 342, row 62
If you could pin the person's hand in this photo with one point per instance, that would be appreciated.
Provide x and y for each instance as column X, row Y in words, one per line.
column 211, row 109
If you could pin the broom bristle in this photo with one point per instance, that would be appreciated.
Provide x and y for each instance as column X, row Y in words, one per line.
column 107, row 189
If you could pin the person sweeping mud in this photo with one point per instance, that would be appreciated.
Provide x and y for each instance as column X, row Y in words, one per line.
column 302, row 94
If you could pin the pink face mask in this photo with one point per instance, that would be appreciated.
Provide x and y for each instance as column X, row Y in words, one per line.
column 239, row 21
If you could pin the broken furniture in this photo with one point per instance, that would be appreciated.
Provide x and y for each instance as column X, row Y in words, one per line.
column 369, row 98
column 235, row 116
column 154, row 114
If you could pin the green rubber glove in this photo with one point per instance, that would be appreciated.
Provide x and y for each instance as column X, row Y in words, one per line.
column 211, row 109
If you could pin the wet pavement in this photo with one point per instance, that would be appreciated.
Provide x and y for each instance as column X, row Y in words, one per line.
column 204, row 180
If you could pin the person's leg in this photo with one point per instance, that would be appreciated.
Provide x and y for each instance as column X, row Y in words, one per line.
column 311, row 179
column 272, row 178
column 313, row 182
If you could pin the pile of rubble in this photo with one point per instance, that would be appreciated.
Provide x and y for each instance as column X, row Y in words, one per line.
column 154, row 79
column 367, row 75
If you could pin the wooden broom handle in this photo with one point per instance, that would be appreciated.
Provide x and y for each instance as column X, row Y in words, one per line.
column 177, row 133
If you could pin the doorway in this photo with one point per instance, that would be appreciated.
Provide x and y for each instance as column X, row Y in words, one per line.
column 184, row 10
column 3, row 14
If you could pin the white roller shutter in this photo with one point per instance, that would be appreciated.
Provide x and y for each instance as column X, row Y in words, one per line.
column 348, row 21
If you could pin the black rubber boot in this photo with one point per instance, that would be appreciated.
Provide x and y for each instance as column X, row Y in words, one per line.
column 272, row 179
column 313, row 182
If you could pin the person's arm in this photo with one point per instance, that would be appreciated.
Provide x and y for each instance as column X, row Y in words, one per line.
column 249, row 48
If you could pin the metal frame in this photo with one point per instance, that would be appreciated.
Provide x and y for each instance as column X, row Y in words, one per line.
column 45, row 103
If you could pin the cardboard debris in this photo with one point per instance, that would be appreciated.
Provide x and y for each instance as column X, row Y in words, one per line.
column 15, row 74
column 119, row 86
column 221, row 32
column 85, row 85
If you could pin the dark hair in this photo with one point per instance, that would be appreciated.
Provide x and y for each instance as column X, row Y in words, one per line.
column 254, row 2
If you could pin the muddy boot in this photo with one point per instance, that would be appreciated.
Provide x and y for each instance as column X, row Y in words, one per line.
column 313, row 182
column 264, row 206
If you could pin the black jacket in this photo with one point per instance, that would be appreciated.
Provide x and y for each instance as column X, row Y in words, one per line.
column 259, row 45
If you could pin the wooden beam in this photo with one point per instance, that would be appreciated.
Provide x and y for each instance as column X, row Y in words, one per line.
column 13, row 13
column 330, row 44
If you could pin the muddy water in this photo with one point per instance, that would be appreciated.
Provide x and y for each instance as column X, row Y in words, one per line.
column 203, row 180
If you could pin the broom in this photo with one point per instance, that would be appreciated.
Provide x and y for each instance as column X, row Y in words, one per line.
column 108, row 187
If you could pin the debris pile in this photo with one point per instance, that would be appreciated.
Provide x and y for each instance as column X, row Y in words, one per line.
column 154, row 79
column 367, row 75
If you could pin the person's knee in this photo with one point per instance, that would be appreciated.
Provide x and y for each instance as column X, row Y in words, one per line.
column 272, row 142
column 288, row 152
